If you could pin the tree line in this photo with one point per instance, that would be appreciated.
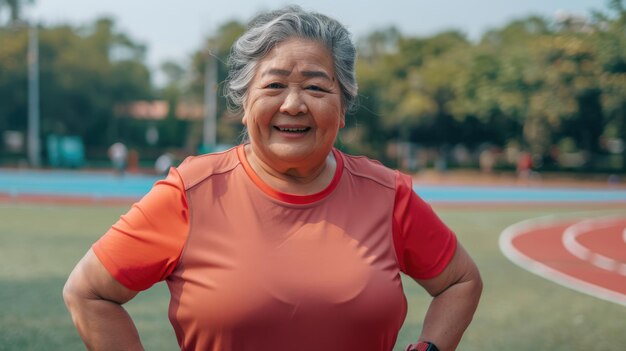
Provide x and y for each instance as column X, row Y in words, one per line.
column 550, row 87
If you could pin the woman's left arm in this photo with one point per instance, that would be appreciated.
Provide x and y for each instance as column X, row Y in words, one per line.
column 455, row 292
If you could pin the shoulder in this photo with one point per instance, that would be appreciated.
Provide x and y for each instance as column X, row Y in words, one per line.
column 195, row 169
column 373, row 170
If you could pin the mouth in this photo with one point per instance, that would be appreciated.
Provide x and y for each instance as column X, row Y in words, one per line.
column 298, row 130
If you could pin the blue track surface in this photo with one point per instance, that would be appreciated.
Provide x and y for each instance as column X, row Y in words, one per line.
column 108, row 186
column 497, row 194
column 79, row 184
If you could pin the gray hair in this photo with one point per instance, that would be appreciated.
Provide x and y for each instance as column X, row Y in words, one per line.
column 267, row 30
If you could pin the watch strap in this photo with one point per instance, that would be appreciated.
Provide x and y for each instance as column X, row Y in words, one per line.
column 422, row 346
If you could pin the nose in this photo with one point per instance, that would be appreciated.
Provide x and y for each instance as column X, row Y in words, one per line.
column 293, row 103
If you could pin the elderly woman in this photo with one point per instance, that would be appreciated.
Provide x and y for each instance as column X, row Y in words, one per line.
column 282, row 243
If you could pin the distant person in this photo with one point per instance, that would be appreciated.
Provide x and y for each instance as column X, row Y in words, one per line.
column 283, row 242
column 163, row 163
column 486, row 160
column 133, row 161
column 441, row 161
column 118, row 154
column 613, row 180
column 524, row 166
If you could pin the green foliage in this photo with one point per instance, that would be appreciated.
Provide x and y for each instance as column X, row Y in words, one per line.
column 84, row 72
column 532, row 82
column 216, row 48
column 609, row 42
column 13, row 80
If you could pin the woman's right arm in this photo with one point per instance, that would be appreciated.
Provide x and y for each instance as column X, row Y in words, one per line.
column 139, row 250
column 94, row 299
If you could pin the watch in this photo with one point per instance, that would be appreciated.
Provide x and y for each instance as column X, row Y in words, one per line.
column 422, row 346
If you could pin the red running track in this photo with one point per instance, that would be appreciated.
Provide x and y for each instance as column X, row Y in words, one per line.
column 587, row 255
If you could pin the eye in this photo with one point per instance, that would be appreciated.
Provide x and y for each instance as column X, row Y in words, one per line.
column 275, row 86
column 316, row 88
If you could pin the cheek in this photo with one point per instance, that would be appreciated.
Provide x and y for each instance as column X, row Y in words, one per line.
column 260, row 112
column 332, row 114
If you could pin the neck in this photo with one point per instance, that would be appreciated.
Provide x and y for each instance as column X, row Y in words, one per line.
column 299, row 180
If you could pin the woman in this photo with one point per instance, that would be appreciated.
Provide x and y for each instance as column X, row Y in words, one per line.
column 282, row 243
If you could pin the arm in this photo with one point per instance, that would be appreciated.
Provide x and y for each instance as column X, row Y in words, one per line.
column 142, row 248
column 94, row 299
column 455, row 292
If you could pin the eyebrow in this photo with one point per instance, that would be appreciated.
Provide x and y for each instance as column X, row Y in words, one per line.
column 308, row 74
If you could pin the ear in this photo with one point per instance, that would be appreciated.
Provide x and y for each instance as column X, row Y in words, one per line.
column 244, row 119
column 342, row 121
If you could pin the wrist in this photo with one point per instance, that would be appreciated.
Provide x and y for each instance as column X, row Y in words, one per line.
column 422, row 346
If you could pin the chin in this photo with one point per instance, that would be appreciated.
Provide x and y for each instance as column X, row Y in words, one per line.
column 291, row 154
column 292, row 157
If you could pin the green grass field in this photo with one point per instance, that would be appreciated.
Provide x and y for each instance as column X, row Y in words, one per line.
column 39, row 245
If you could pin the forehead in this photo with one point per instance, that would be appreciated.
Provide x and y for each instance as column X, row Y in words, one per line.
column 297, row 54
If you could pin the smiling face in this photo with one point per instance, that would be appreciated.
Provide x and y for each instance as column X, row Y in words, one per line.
column 293, row 109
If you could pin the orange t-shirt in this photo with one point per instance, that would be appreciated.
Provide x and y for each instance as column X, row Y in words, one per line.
column 250, row 268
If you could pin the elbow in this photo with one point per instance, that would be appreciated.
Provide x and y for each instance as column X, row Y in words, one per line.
column 74, row 291
column 477, row 286
column 69, row 294
column 473, row 276
column 478, row 282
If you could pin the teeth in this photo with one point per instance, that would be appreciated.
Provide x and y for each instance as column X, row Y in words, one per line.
column 294, row 130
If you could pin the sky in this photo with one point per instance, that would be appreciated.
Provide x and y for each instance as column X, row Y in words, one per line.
column 173, row 30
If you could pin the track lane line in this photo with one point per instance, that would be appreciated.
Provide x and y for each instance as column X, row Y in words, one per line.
column 543, row 270
column 572, row 245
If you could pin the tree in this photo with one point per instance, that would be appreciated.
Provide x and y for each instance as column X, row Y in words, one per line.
column 172, row 130
column 14, row 8
column 13, row 79
column 609, row 42
column 217, row 46
column 415, row 80
column 365, row 132
column 84, row 73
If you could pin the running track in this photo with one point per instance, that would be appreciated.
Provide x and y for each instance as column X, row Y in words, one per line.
column 82, row 186
column 587, row 255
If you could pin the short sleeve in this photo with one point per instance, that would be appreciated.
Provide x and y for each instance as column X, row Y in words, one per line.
column 143, row 247
column 424, row 244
